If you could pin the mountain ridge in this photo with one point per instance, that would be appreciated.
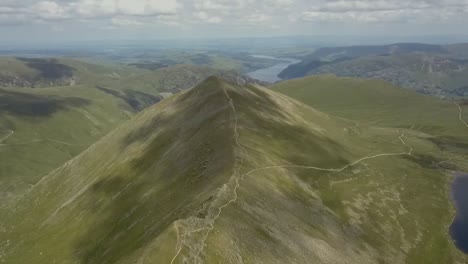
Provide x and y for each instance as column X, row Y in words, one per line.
column 230, row 164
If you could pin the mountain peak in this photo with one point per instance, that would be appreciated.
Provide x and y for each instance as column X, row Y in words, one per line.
column 223, row 172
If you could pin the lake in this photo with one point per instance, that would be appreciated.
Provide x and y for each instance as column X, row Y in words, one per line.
column 459, row 227
column 270, row 74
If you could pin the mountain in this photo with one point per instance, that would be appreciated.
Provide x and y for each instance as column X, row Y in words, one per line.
column 334, row 53
column 426, row 74
column 45, row 119
column 235, row 173
column 431, row 69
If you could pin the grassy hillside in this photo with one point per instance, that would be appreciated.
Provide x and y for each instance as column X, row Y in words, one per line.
column 229, row 173
column 48, row 125
column 379, row 103
column 376, row 102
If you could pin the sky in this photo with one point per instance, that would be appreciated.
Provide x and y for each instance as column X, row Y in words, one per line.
column 31, row 21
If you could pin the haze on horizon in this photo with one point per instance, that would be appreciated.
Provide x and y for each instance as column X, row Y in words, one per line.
column 80, row 20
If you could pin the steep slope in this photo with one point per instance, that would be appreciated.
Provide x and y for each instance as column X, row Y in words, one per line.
column 51, row 125
column 225, row 173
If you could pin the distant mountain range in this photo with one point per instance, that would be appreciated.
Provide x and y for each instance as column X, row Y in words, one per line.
column 432, row 69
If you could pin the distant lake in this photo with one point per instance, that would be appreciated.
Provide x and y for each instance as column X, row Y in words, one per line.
column 459, row 227
column 270, row 74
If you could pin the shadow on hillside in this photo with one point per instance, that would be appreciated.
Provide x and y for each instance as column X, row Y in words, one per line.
column 300, row 140
column 450, row 143
column 191, row 109
column 49, row 68
column 131, row 208
column 29, row 105
column 135, row 99
column 431, row 162
column 179, row 169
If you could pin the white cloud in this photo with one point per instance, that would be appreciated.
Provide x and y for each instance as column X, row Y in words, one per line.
column 257, row 18
column 383, row 11
column 259, row 15
column 124, row 22
column 50, row 10
column 204, row 17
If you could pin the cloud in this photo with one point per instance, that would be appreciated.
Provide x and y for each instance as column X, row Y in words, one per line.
column 124, row 22
column 261, row 15
column 204, row 17
column 89, row 9
column 50, row 10
column 383, row 11
column 97, row 8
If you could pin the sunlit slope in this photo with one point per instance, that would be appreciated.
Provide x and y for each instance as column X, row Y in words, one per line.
column 375, row 102
column 49, row 126
column 225, row 173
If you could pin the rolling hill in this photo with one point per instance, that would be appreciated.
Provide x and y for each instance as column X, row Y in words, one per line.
column 376, row 102
column 236, row 173
column 45, row 119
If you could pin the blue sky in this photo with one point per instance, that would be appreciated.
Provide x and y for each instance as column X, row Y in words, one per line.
column 72, row 20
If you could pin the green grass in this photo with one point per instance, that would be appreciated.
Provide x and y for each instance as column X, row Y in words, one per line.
column 54, row 124
column 187, row 174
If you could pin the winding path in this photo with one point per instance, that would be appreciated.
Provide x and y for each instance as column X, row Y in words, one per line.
column 460, row 114
column 11, row 132
column 206, row 225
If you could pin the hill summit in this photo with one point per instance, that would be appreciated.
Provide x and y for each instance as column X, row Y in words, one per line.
column 234, row 173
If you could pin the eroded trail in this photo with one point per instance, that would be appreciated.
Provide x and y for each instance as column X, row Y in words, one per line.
column 22, row 143
column 193, row 232
column 200, row 228
column 460, row 114
column 401, row 138
column 10, row 133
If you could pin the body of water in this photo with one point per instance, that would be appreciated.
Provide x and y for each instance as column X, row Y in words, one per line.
column 270, row 74
column 459, row 227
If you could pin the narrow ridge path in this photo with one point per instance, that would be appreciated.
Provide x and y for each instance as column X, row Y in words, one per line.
column 207, row 226
column 213, row 212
